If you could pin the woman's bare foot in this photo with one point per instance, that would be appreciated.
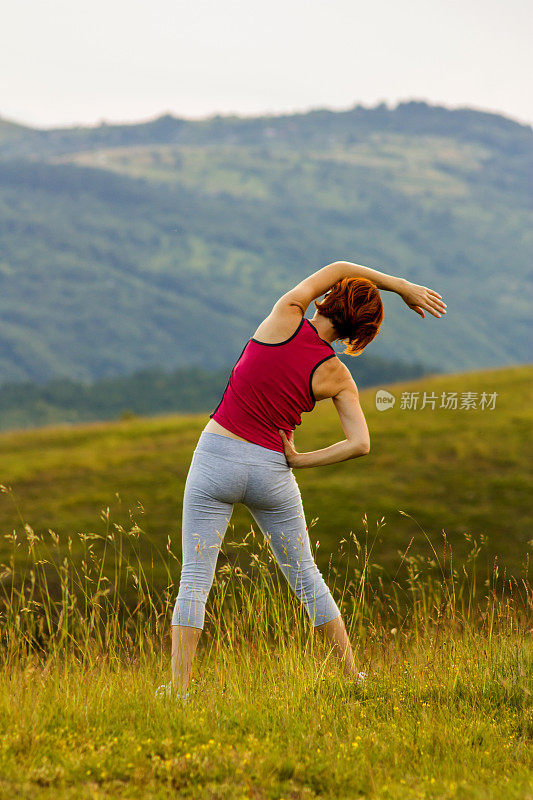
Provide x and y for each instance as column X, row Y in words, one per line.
column 335, row 634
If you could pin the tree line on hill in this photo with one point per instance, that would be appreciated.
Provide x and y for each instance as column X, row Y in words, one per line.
column 151, row 391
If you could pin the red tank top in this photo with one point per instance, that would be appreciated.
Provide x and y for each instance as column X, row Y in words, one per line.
column 270, row 386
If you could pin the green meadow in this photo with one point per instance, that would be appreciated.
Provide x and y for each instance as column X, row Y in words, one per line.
column 463, row 473
column 425, row 544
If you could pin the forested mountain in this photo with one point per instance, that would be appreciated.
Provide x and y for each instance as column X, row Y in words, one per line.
column 166, row 243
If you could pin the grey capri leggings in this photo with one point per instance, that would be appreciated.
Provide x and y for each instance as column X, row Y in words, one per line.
column 225, row 471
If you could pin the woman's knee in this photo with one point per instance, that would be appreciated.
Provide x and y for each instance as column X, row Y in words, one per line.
column 189, row 608
column 314, row 592
column 196, row 580
column 321, row 606
column 307, row 578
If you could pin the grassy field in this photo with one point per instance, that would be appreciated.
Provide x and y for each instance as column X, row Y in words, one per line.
column 466, row 473
column 424, row 544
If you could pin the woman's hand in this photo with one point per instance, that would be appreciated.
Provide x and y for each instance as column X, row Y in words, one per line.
column 420, row 297
column 291, row 453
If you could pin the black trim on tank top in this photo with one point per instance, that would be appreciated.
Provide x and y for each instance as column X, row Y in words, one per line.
column 226, row 389
column 277, row 344
column 313, row 372
column 320, row 337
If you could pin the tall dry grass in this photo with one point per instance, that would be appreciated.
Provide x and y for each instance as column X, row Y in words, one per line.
column 85, row 641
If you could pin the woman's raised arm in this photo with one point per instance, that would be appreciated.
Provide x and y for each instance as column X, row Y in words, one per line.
column 415, row 296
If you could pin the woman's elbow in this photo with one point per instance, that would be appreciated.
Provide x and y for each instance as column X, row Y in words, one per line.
column 360, row 448
column 365, row 448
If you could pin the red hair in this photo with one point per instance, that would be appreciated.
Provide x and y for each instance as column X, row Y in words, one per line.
column 354, row 307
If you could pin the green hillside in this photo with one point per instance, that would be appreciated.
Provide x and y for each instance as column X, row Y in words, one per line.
column 463, row 472
column 152, row 391
column 127, row 247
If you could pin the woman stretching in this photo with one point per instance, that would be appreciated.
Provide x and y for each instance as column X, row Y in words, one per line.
column 246, row 452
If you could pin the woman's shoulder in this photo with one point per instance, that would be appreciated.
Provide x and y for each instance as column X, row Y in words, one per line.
column 281, row 325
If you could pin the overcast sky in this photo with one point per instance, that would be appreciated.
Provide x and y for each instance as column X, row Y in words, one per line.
column 65, row 62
